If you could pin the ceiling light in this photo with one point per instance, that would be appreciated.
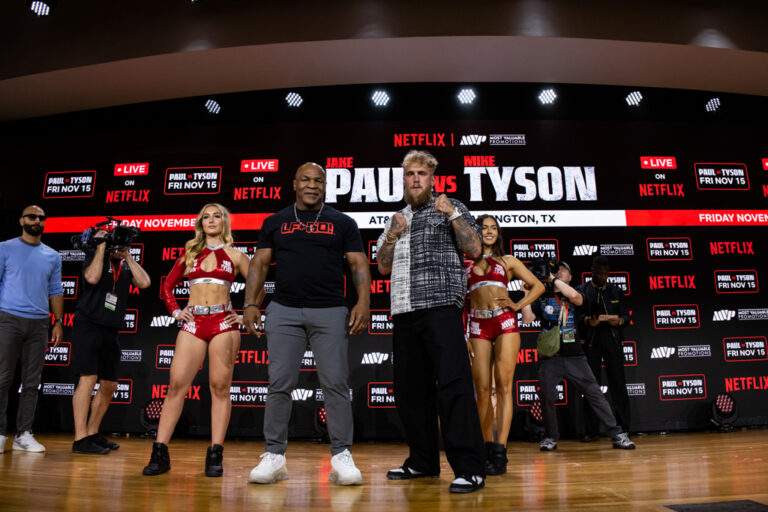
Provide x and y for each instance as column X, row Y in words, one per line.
column 466, row 96
column 294, row 99
column 547, row 96
column 634, row 98
column 213, row 107
column 380, row 98
column 712, row 105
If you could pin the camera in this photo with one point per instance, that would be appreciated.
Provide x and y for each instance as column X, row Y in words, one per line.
column 542, row 269
column 117, row 236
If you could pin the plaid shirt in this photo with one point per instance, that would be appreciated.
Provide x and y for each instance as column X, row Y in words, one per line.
column 427, row 265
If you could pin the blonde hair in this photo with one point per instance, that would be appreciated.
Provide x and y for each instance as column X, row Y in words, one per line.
column 424, row 158
column 196, row 245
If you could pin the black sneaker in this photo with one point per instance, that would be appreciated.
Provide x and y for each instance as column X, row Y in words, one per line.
column 406, row 473
column 87, row 445
column 496, row 463
column 214, row 461
column 103, row 441
column 467, row 483
column 159, row 461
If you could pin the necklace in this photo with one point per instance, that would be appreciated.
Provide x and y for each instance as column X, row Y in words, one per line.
column 211, row 247
column 311, row 227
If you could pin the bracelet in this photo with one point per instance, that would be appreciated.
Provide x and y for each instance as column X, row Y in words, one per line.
column 57, row 320
column 249, row 305
column 176, row 313
column 456, row 214
column 388, row 240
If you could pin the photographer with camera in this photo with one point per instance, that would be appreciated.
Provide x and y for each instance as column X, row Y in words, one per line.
column 562, row 356
column 108, row 271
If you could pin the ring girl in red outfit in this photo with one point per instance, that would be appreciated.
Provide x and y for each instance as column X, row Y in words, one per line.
column 209, row 326
column 494, row 339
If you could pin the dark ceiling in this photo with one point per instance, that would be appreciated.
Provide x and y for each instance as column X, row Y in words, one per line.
column 97, row 53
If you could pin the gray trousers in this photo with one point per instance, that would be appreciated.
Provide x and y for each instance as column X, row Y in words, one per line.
column 288, row 331
column 26, row 338
column 577, row 372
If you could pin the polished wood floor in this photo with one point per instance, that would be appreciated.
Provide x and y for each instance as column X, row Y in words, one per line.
column 664, row 470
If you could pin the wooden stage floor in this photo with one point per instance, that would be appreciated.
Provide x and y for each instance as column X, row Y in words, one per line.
column 664, row 470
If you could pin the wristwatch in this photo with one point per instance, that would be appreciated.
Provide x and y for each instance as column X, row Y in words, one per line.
column 57, row 320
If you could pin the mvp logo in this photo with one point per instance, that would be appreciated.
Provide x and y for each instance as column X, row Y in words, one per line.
column 662, row 352
column 374, row 358
column 301, row 395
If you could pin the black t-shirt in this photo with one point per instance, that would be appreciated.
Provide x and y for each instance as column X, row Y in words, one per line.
column 92, row 297
column 309, row 270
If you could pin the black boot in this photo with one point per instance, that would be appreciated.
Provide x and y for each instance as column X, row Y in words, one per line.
column 213, row 460
column 159, row 462
column 497, row 460
column 489, row 458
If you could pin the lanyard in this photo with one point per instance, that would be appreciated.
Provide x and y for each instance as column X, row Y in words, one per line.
column 115, row 274
column 563, row 317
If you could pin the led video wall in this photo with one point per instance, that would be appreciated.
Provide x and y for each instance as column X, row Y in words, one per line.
column 679, row 208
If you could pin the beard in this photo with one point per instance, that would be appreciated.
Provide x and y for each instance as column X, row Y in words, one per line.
column 33, row 229
column 419, row 199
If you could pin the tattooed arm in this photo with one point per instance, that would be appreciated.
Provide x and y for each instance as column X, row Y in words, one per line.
column 385, row 252
column 467, row 236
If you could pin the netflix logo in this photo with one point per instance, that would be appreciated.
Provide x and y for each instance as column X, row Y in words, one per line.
column 259, row 165
column 402, row 140
column 719, row 248
column 658, row 162
column 132, row 169
column 672, row 282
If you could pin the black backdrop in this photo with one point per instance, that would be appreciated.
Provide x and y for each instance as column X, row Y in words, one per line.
column 674, row 196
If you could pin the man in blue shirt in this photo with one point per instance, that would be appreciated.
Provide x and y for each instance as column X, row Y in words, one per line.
column 30, row 281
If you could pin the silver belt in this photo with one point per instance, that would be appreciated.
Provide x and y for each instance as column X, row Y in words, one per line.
column 209, row 280
column 486, row 313
column 209, row 310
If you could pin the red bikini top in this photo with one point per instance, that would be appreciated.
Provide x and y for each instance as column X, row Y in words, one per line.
column 223, row 273
column 495, row 276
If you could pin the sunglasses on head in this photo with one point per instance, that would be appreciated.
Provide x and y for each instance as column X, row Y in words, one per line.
column 34, row 216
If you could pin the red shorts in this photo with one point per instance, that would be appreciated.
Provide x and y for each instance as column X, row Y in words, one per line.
column 206, row 327
column 491, row 328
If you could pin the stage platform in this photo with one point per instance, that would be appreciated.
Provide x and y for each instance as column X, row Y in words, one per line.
column 665, row 471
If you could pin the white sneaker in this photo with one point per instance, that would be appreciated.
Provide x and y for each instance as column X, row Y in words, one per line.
column 26, row 442
column 271, row 469
column 343, row 470
column 3, row 439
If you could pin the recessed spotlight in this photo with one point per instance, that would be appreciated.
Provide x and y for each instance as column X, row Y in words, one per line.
column 294, row 99
column 42, row 8
column 466, row 96
column 213, row 107
column 712, row 105
column 380, row 98
column 547, row 96
column 634, row 98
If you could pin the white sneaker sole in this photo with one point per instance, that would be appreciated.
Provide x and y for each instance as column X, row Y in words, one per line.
column 280, row 474
column 334, row 477
column 20, row 448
